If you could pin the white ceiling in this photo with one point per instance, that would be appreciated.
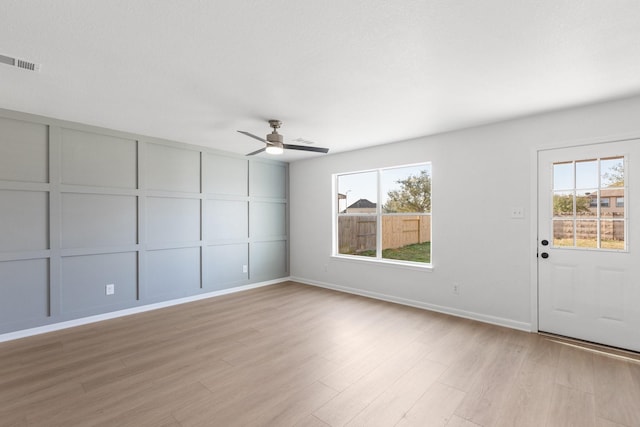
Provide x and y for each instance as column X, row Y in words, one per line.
column 342, row 73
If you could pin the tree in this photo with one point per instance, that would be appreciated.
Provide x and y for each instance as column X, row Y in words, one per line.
column 564, row 204
column 615, row 176
column 413, row 196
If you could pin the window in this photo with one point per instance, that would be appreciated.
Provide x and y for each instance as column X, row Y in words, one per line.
column 579, row 220
column 385, row 214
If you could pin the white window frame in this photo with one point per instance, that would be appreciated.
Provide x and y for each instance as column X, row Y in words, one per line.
column 378, row 215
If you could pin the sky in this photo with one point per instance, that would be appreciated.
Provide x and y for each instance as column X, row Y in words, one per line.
column 363, row 185
column 586, row 174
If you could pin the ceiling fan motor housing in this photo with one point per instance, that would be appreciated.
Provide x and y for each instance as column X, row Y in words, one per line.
column 274, row 137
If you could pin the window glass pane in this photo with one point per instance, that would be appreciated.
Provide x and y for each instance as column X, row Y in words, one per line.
column 612, row 206
column 612, row 192
column 357, row 235
column 587, row 174
column 406, row 237
column 587, row 234
column 357, row 192
column 406, row 189
column 563, row 204
column 612, row 172
column 563, row 176
column 584, row 201
column 562, row 233
column 612, row 234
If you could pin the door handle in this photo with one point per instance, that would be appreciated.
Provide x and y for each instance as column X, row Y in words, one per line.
column 544, row 255
column 545, row 242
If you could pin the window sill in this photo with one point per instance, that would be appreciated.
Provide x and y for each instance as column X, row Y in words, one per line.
column 384, row 262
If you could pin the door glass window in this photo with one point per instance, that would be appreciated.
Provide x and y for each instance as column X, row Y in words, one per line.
column 584, row 215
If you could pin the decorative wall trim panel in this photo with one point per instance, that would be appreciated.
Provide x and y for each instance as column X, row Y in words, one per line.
column 84, row 208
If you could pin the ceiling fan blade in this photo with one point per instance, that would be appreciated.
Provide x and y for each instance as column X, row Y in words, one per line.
column 253, row 136
column 305, row 148
column 257, row 151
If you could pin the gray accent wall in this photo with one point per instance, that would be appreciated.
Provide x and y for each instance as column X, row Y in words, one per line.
column 82, row 207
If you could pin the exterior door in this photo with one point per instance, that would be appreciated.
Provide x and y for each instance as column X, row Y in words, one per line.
column 589, row 243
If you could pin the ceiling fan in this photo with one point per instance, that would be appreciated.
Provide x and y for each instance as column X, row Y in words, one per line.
column 275, row 144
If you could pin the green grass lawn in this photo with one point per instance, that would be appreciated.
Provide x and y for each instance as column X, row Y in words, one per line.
column 589, row 243
column 419, row 252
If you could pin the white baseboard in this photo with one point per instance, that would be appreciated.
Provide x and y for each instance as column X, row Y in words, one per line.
column 129, row 311
column 522, row 326
column 500, row 321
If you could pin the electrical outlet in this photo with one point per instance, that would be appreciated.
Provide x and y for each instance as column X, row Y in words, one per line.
column 517, row 212
column 245, row 268
column 456, row 288
column 110, row 289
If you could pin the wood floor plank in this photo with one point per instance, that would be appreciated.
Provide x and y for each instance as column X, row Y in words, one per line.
column 617, row 393
column 244, row 399
column 467, row 365
column 447, row 350
column 159, row 410
column 434, row 408
column 9, row 419
column 576, row 369
column 349, row 403
column 456, row 421
column 491, row 388
column 571, row 406
column 285, row 408
column 543, row 351
column 39, row 380
column 125, row 395
column 295, row 406
column 601, row 422
column 50, row 398
column 372, row 354
column 389, row 408
column 311, row 421
column 529, row 400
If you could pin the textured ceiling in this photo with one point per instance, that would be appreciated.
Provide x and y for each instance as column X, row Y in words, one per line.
column 342, row 73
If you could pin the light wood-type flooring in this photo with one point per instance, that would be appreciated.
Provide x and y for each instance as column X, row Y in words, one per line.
column 295, row 355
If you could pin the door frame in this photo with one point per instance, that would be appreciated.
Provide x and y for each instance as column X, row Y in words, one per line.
column 534, row 191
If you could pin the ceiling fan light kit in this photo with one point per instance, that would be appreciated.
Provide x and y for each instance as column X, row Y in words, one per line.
column 274, row 142
column 274, row 149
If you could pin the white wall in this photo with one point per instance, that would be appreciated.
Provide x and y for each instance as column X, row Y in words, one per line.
column 478, row 175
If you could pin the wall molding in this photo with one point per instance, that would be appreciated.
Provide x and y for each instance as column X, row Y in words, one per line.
column 493, row 320
column 79, row 202
column 10, row 336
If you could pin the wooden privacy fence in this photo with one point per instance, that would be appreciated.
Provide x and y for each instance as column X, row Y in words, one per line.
column 588, row 230
column 358, row 233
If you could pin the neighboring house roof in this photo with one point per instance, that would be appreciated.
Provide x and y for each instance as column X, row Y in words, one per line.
column 362, row 204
